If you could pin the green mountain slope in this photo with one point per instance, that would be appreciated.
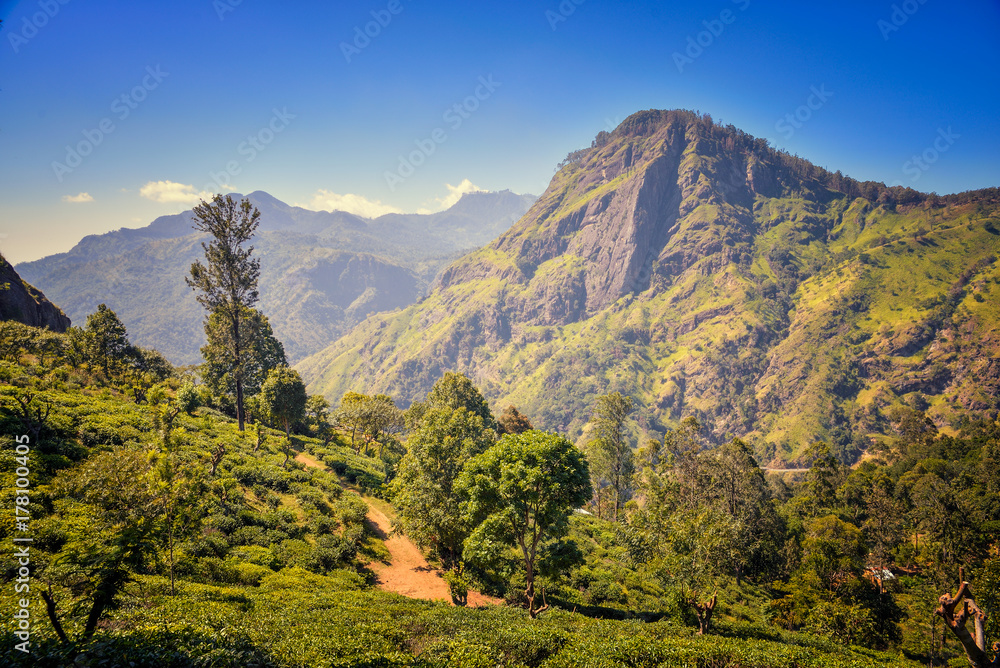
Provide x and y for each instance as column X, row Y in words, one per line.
column 702, row 272
column 321, row 272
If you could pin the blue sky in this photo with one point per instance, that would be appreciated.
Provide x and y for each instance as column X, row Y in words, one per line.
column 170, row 101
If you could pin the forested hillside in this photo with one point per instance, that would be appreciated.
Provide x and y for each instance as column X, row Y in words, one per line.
column 324, row 271
column 691, row 266
column 162, row 535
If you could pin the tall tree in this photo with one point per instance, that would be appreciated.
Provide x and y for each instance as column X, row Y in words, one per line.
column 521, row 493
column 228, row 282
column 427, row 503
column 738, row 487
column 611, row 450
column 107, row 340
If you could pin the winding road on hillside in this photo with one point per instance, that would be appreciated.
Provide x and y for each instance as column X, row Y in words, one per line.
column 407, row 572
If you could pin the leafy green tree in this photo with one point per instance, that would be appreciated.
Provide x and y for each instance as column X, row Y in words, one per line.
column 833, row 550
column 107, row 340
column 520, row 494
column 107, row 513
column 178, row 487
column 696, row 552
column 883, row 528
column 284, row 397
column 227, row 285
column 318, row 417
column 824, row 478
column 427, row 503
column 382, row 421
column 611, row 455
column 352, row 414
column 454, row 391
column 738, row 488
column 263, row 353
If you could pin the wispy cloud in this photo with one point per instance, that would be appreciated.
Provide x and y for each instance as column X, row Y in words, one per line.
column 168, row 192
column 454, row 194
column 324, row 200
column 78, row 199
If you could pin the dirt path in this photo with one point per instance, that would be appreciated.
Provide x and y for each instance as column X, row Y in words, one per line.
column 407, row 573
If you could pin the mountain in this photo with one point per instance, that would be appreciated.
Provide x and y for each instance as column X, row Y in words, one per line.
column 21, row 301
column 321, row 272
column 706, row 274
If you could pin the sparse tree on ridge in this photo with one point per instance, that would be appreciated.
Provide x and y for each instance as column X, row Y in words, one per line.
column 227, row 285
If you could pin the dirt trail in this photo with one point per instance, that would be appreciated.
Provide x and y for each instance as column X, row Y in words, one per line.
column 407, row 573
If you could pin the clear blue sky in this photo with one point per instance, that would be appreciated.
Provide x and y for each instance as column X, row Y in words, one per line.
column 199, row 78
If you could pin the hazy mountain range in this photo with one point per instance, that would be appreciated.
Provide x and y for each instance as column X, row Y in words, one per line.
column 321, row 272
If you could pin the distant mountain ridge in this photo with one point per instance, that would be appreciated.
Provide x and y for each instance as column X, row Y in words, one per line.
column 697, row 269
column 321, row 272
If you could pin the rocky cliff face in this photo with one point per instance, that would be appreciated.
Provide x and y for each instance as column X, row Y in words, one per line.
column 704, row 273
column 20, row 301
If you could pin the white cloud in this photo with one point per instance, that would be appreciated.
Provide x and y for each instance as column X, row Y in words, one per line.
column 324, row 200
column 170, row 192
column 455, row 193
column 77, row 199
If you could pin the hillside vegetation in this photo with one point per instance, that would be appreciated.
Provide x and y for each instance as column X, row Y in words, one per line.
column 163, row 536
column 694, row 268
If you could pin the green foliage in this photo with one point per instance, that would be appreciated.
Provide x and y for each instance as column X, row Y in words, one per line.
column 424, row 492
column 263, row 352
column 107, row 340
column 520, row 493
column 610, row 453
column 454, row 391
column 283, row 396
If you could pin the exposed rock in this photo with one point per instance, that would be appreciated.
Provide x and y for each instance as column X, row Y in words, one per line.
column 21, row 301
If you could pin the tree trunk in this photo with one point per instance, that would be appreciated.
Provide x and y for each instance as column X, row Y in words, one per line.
column 955, row 611
column 703, row 611
column 50, row 610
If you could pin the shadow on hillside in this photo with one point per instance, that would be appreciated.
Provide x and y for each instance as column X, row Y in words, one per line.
column 162, row 649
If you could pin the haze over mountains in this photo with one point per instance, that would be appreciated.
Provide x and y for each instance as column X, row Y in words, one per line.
column 321, row 272
column 693, row 267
